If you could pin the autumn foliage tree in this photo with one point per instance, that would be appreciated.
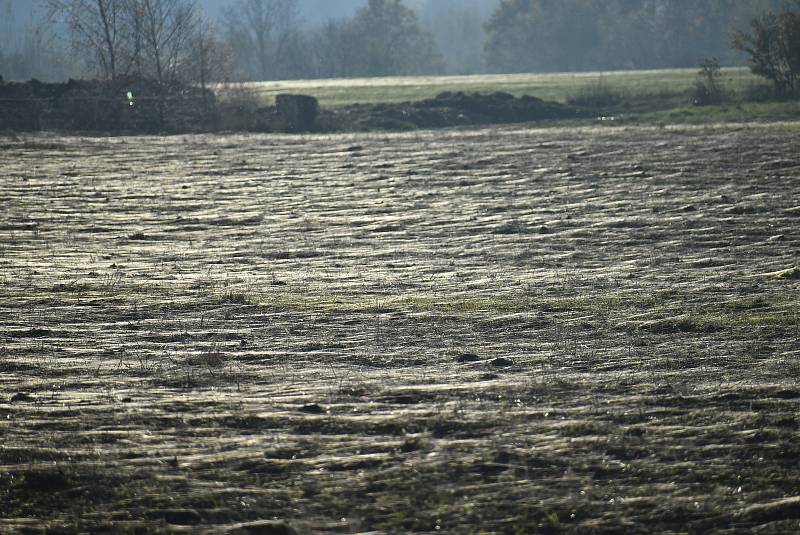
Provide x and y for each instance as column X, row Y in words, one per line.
column 773, row 49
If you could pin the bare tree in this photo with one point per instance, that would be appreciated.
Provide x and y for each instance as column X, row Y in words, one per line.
column 457, row 27
column 331, row 48
column 163, row 33
column 210, row 58
column 163, row 40
column 101, row 27
column 261, row 33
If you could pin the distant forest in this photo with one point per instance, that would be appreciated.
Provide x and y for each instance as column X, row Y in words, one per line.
column 299, row 39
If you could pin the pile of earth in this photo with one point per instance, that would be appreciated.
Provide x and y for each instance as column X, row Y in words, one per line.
column 444, row 110
column 301, row 113
column 126, row 104
column 140, row 105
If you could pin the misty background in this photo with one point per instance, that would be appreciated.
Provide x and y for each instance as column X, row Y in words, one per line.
column 349, row 38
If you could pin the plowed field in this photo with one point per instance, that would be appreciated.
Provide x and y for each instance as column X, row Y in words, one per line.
column 499, row 330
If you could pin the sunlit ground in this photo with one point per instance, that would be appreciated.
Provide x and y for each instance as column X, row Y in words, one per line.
column 503, row 330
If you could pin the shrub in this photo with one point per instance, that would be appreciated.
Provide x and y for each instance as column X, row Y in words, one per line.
column 596, row 95
column 239, row 106
column 773, row 47
column 759, row 91
column 708, row 85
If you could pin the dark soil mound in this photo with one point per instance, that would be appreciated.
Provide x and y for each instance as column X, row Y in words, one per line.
column 128, row 104
column 139, row 105
column 446, row 109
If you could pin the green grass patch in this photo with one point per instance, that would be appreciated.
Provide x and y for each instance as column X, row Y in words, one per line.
column 666, row 84
column 632, row 97
column 731, row 112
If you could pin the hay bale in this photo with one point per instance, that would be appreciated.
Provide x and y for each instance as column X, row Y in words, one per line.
column 299, row 112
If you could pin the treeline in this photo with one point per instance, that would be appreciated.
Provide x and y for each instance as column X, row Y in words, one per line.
column 161, row 40
column 269, row 40
column 385, row 37
column 473, row 36
column 581, row 35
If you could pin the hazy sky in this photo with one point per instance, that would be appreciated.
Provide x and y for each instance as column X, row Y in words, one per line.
column 321, row 10
column 317, row 11
column 313, row 11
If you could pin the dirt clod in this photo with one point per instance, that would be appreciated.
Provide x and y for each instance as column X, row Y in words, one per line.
column 467, row 357
column 502, row 362
column 179, row 517
column 772, row 511
column 312, row 408
column 263, row 527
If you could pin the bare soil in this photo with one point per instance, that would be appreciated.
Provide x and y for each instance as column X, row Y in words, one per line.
column 499, row 330
column 447, row 109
